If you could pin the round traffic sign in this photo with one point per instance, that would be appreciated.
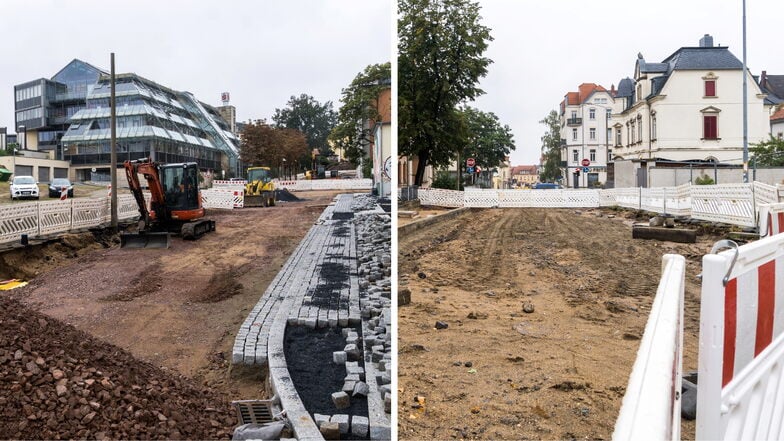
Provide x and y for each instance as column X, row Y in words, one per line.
column 585, row 162
column 470, row 162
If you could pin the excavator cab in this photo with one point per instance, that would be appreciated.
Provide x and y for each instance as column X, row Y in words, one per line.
column 180, row 184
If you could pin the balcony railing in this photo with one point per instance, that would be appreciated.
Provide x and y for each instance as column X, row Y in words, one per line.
column 574, row 121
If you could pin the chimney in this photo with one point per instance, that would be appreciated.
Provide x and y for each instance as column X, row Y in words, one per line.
column 706, row 41
column 764, row 79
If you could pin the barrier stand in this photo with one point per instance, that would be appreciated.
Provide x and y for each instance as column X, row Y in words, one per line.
column 740, row 390
column 651, row 407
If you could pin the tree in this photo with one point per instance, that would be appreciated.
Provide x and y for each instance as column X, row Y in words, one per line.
column 440, row 63
column 306, row 114
column 769, row 152
column 551, row 148
column 360, row 110
column 264, row 145
column 487, row 141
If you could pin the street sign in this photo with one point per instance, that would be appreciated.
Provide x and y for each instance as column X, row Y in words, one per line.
column 470, row 162
column 585, row 162
column 469, row 170
column 478, row 170
column 585, row 169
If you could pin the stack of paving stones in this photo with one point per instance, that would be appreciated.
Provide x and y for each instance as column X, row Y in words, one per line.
column 373, row 229
column 57, row 382
column 318, row 287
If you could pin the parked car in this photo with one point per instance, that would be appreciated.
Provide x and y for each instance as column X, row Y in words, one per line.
column 57, row 185
column 546, row 186
column 24, row 187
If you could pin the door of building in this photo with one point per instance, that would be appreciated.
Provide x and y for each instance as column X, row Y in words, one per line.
column 593, row 178
column 43, row 174
column 23, row 170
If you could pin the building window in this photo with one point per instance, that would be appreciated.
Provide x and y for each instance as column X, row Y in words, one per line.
column 653, row 127
column 609, row 113
column 609, row 155
column 639, row 128
column 628, row 135
column 592, row 113
column 592, row 133
column 574, row 114
column 710, row 88
column 574, row 155
column 593, row 155
column 618, row 136
column 574, row 134
column 634, row 133
column 710, row 126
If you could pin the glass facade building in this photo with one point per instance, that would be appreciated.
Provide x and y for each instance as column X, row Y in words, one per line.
column 71, row 115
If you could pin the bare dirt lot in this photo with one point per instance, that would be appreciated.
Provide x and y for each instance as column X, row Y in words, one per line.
column 545, row 310
column 177, row 308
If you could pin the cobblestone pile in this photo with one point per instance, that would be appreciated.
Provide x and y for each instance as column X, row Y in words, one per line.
column 373, row 229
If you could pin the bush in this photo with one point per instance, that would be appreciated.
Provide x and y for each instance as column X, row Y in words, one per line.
column 445, row 180
column 704, row 180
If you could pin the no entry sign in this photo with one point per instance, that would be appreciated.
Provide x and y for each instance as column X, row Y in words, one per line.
column 585, row 162
column 470, row 162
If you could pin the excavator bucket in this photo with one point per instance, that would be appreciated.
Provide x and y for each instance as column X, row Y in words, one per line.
column 144, row 240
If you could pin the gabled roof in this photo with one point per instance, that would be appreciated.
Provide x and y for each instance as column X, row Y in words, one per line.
column 778, row 116
column 80, row 63
column 517, row 169
column 774, row 87
column 585, row 91
column 702, row 58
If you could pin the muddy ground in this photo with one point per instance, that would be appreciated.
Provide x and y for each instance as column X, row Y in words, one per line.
column 177, row 308
column 545, row 310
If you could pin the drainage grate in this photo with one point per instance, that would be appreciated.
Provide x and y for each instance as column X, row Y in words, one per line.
column 253, row 411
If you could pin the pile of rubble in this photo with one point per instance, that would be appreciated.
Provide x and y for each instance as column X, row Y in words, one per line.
column 57, row 382
column 373, row 230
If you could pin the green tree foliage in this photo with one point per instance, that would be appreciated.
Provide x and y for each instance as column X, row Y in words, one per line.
column 306, row 114
column 551, row 148
column 444, row 179
column 360, row 111
column 440, row 62
column 768, row 153
column 487, row 141
column 704, row 180
column 265, row 145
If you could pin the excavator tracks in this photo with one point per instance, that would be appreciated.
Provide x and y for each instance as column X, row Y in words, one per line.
column 197, row 229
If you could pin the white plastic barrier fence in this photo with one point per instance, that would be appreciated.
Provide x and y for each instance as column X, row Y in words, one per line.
column 227, row 198
column 765, row 194
column 326, row 184
column 740, row 391
column 483, row 198
column 46, row 218
column 440, row 197
column 771, row 219
column 728, row 203
column 651, row 407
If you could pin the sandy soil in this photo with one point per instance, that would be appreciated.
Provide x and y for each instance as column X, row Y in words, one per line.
column 497, row 371
column 177, row 308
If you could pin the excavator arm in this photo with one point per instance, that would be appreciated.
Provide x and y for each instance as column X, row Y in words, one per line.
column 145, row 239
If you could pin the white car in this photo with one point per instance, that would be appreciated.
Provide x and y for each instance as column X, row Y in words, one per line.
column 24, row 187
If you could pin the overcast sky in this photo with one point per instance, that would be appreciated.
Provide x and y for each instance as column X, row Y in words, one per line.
column 544, row 49
column 261, row 52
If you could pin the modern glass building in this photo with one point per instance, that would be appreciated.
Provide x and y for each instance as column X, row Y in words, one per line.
column 44, row 107
column 152, row 121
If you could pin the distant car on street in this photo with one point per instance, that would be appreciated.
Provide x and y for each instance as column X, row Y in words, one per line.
column 24, row 187
column 546, row 186
column 57, row 185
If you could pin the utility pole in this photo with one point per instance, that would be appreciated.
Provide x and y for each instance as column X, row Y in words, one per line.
column 745, row 107
column 114, row 150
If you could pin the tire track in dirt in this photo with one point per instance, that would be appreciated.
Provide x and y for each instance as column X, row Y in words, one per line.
column 559, row 372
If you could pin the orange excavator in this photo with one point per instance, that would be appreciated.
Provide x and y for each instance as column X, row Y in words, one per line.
column 175, row 203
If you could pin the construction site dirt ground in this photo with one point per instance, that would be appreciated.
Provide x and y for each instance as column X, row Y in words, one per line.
column 545, row 309
column 177, row 308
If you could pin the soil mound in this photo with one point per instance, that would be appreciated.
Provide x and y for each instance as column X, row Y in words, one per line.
column 286, row 196
column 60, row 383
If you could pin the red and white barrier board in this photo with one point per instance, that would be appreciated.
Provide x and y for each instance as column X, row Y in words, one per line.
column 651, row 407
column 740, row 391
column 771, row 219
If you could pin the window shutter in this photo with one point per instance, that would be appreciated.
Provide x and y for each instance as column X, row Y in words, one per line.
column 710, row 88
column 710, row 129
